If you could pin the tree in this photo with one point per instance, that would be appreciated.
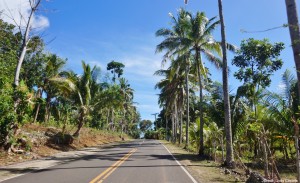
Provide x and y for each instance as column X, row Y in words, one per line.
column 25, row 38
column 145, row 125
column 8, row 58
column 172, row 44
column 257, row 60
column 191, row 35
column 293, row 21
column 79, row 90
column 116, row 69
column 201, row 42
column 228, row 129
column 34, row 4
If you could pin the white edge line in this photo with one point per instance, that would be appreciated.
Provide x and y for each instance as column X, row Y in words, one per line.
column 190, row 176
column 15, row 176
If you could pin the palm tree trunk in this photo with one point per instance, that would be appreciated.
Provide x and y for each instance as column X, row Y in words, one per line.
column 222, row 146
column 229, row 147
column 107, row 120
column 80, row 125
column 294, row 28
column 265, row 157
column 293, row 22
column 187, row 105
column 176, row 121
column 167, row 128
column 39, row 95
column 201, row 144
column 47, row 114
column 180, row 129
column 172, row 127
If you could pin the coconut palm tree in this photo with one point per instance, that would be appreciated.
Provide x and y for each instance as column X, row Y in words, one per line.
column 294, row 28
column 228, row 131
column 172, row 44
column 53, row 68
column 200, row 42
column 79, row 89
column 168, row 95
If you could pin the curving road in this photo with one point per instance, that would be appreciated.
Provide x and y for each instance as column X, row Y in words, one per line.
column 139, row 161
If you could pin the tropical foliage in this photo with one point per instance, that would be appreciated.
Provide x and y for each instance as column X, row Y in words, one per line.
column 263, row 122
column 50, row 95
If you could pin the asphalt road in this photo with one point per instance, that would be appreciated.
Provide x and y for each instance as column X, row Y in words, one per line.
column 140, row 161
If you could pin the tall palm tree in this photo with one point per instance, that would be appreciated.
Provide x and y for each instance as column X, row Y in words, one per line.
column 79, row 89
column 228, row 132
column 294, row 28
column 293, row 21
column 172, row 44
column 200, row 42
column 173, row 93
column 53, row 68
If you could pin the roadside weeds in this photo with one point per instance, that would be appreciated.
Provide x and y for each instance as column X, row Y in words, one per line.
column 202, row 170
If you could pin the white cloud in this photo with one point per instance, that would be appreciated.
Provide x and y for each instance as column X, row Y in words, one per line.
column 19, row 11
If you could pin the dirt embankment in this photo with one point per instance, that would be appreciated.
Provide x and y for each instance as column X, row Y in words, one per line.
column 38, row 142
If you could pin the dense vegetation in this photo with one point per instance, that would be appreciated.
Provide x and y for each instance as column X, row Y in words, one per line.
column 251, row 124
column 50, row 95
column 263, row 122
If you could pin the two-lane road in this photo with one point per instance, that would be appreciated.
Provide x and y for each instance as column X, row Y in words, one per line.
column 139, row 161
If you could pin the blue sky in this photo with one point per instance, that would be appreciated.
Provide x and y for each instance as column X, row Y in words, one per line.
column 99, row 31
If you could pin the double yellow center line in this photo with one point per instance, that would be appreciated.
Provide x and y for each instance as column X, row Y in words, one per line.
column 100, row 178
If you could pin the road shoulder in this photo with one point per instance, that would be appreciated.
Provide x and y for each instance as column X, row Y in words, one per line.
column 19, row 169
column 201, row 170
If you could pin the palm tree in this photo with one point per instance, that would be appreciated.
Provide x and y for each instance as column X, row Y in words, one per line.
column 294, row 28
column 229, row 146
column 173, row 93
column 200, row 41
column 281, row 107
column 79, row 89
column 172, row 44
column 228, row 130
column 53, row 68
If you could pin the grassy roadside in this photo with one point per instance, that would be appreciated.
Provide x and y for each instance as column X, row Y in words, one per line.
column 202, row 170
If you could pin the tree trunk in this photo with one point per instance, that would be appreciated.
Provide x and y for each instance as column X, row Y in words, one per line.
column 229, row 147
column 199, row 61
column 265, row 157
column 23, row 49
column 39, row 95
column 80, row 124
column 297, row 156
column 187, row 70
column 180, row 129
column 293, row 22
column 176, row 122
column 167, row 128
column 285, row 147
column 112, row 120
column 222, row 146
column 47, row 114
column 173, row 131
column 107, row 120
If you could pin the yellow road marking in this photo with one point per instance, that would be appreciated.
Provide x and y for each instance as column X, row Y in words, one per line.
column 113, row 167
column 121, row 162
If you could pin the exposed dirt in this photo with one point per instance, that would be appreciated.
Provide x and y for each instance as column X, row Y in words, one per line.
column 46, row 141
